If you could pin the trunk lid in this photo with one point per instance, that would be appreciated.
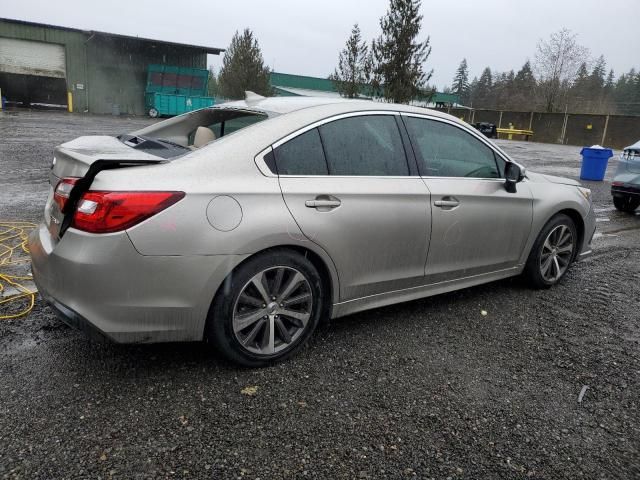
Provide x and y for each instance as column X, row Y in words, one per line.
column 75, row 159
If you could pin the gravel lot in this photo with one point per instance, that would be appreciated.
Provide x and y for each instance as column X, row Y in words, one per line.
column 427, row 389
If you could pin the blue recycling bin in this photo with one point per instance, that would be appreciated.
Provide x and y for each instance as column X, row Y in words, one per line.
column 594, row 163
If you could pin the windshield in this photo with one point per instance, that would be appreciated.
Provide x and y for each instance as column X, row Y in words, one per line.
column 179, row 135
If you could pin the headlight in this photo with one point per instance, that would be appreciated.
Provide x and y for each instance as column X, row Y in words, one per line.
column 586, row 193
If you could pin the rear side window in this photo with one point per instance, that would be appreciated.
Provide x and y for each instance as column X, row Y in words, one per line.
column 365, row 145
column 444, row 150
column 301, row 155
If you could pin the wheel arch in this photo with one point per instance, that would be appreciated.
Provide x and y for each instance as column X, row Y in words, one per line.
column 320, row 261
column 578, row 221
column 573, row 214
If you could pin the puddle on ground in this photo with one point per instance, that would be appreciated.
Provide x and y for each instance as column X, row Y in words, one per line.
column 605, row 209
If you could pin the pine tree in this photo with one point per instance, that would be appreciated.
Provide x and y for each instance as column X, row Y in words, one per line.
column 473, row 92
column 579, row 97
column 610, row 82
column 243, row 68
column 596, row 79
column 607, row 94
column 398, row 57
column 212, row 86
column 460, row 84
column 354, row 66
column 483, row 89
column 524, row 88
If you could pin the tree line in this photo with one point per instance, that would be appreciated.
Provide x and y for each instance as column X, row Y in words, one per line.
column 561, row 78
column 392, row 67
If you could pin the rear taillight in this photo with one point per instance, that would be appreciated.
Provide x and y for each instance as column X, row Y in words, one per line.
column 107, row 212
column 617, row 184
column 63, row 189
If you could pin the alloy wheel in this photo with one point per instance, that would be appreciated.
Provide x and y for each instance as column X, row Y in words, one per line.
column 272, row 310
column 557, row 251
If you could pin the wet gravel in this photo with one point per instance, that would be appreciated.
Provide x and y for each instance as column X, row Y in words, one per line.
column 427, row 389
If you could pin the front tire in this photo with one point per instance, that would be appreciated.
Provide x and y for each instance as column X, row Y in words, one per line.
column 266, row 309
column 626, row 204
column 153, row 113
column 552, row 253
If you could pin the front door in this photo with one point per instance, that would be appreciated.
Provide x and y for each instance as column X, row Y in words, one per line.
column 347, row 183
column 477, row 226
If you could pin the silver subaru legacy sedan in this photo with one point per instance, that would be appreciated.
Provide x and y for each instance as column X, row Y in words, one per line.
column 248, row 223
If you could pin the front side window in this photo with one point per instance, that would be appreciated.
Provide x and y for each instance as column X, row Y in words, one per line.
column 444, row 150
column 364, row 145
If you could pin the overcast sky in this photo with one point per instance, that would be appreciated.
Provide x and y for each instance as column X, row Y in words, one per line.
column 304, row 37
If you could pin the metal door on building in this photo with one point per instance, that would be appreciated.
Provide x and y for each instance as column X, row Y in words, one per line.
column 33, row 72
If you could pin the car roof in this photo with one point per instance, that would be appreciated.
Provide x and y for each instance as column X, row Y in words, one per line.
column 274, row 106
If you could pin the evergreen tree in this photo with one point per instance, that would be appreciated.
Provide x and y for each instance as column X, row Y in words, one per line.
column 398, row 57
column 212, row 86
column 626, row 92
column 524, row 88
column 597, row 77
column 354, row 66
column 579, row 91
column 483, row 89
column 595, row 91
column 609, row 84
column 607, row 94
column 243, row 68
column 582, row 75
column 460, row 84
column 473, row 92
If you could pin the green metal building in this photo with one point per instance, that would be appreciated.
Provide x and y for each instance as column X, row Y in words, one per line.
column 285, row 84
column 88, row 71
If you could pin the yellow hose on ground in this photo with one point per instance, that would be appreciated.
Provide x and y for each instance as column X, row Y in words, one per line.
column 14, row 263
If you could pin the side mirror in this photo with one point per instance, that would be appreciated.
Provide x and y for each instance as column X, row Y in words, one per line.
column 512, row 174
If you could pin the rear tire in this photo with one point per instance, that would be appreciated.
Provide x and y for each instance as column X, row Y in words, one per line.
column 153, row 113
column 552, row 253
column 626, row 204
column 267, row 309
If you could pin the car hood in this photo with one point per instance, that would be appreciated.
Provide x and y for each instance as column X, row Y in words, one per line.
column 542, row 178
column 635, row 147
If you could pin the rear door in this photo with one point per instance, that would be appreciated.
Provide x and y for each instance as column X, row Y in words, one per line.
column 477, row 226
column 352, row 190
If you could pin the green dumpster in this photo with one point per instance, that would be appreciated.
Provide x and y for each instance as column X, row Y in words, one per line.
column 175, row 90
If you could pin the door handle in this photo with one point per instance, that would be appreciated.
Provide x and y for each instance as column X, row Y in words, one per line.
column 447, row 203
column 322, row 203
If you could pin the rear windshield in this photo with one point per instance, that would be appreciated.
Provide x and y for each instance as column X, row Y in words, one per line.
column 180, row 135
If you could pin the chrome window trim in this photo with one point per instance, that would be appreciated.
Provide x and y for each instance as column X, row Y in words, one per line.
column 496, row 180
column 318, row 123
column 394, row 177
column 262, row 165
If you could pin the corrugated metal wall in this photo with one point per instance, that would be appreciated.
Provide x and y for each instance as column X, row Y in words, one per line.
column 106, row 74
column 619, row 131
